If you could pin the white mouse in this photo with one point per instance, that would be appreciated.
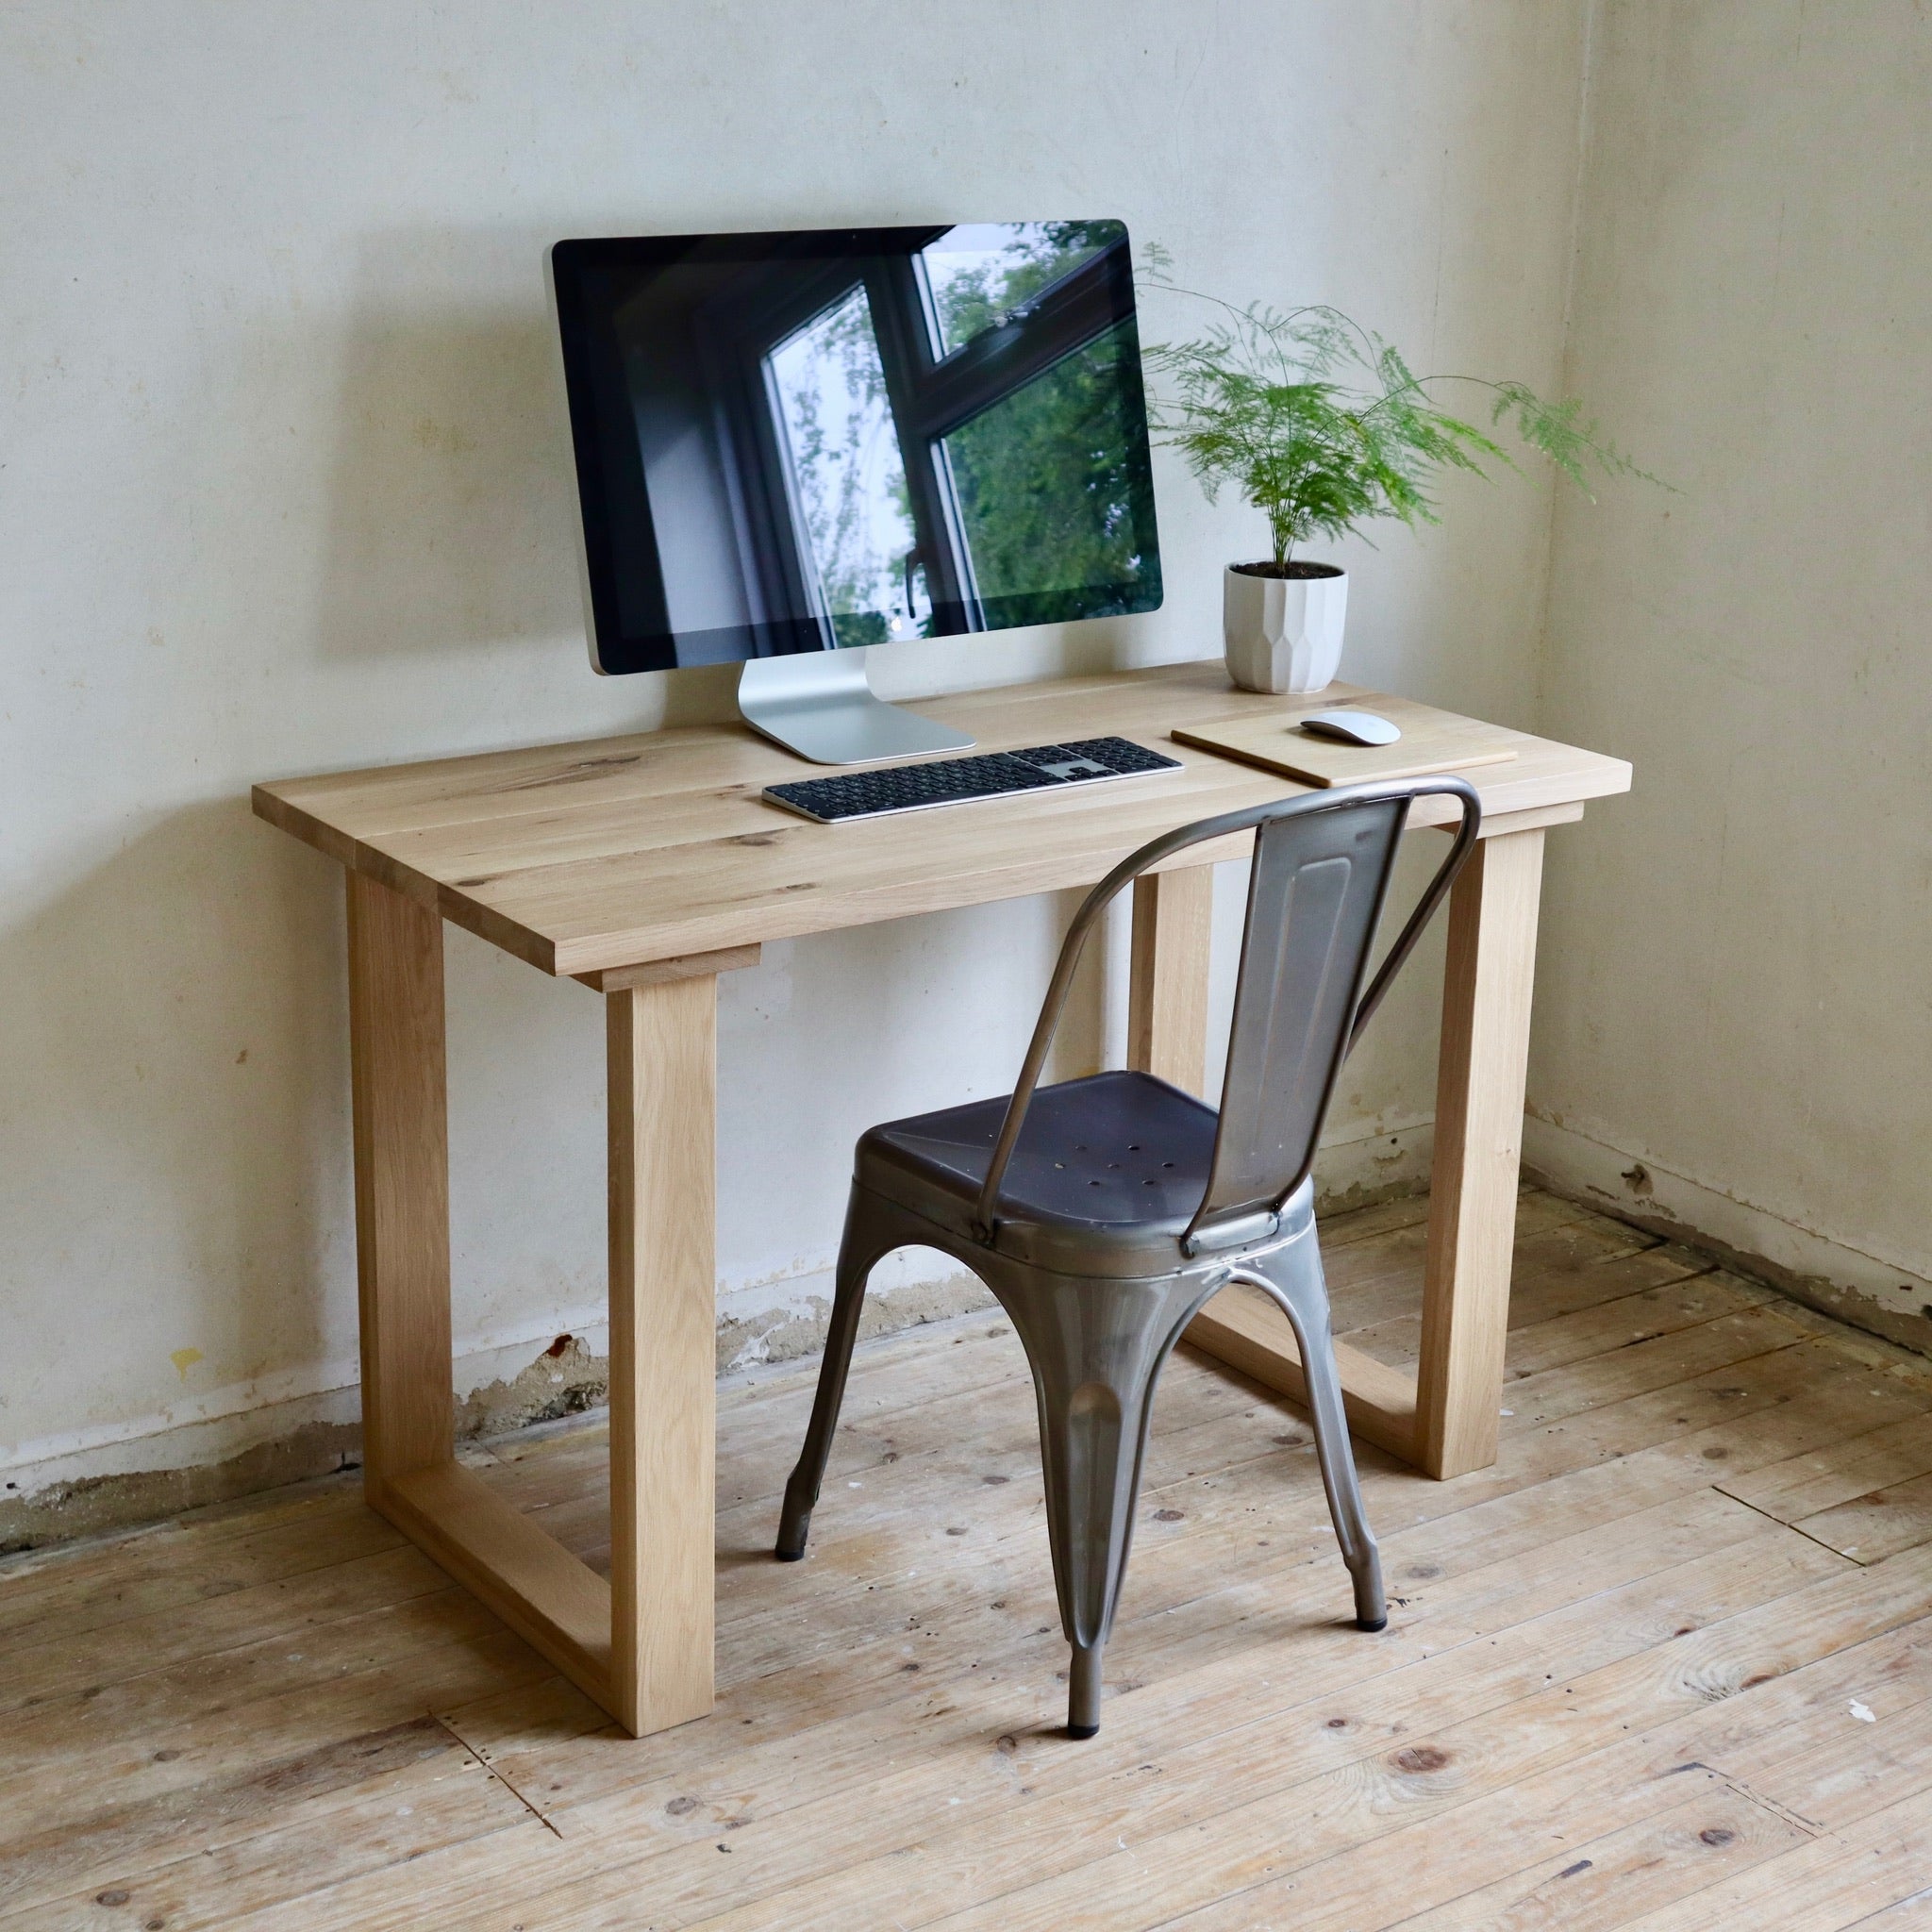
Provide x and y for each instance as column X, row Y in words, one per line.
column 1351, row 728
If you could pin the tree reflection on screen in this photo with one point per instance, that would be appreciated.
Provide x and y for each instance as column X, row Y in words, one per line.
column 1055, row 492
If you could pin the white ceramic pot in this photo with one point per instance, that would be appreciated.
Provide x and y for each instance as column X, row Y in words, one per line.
column 1284, row 634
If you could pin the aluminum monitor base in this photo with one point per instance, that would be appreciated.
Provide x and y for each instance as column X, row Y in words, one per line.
column 819, row 704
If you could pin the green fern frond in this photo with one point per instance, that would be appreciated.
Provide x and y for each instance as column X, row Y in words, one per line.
column 1323, row 426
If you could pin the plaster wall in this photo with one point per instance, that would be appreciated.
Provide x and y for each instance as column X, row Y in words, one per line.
column 1735, row 1011
column 283, row 489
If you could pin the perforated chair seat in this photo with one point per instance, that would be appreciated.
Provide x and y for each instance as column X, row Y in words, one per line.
column 1104, row 1180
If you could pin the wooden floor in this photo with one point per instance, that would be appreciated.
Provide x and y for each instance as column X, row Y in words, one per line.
column 1667, row 1665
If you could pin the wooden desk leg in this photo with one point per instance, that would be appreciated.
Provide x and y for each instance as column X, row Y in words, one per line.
column 662, row 1042
column 1485, row 1052
column 1167, row 992
column 402, row 1184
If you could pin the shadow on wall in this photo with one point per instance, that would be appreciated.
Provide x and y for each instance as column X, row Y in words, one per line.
column 174, row 1065
column 452, row 501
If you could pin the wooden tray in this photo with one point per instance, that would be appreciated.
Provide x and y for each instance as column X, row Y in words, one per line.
column 1431, row 740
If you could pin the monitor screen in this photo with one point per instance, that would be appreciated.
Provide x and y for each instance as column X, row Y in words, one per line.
column 806, row 442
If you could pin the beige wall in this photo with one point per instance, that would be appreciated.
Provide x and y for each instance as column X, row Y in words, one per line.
column 1736, row 972
column 282, row 488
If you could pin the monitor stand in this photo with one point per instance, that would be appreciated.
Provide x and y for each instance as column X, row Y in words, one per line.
column 819, row 705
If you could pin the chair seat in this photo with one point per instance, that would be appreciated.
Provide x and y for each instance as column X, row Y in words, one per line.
column 1107, row 1175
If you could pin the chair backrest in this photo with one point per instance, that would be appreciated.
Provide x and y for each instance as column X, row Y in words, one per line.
column 1315, row 894
column 1320, row 874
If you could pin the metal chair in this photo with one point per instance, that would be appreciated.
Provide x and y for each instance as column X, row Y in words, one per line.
column 1102, row 1212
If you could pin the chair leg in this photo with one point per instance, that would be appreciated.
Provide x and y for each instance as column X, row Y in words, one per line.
column 1091, row 1425
column 1295, row 1281
column 871, row 1231
column 1096, row 1349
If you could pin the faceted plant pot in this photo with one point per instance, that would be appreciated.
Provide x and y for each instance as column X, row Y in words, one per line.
column 1284, row 631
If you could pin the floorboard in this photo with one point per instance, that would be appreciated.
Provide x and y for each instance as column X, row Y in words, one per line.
column 1667, row 1664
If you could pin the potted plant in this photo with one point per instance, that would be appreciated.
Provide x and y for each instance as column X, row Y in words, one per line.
column 1322, row 426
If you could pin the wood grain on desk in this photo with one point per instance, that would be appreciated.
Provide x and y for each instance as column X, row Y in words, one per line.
column 616, row 852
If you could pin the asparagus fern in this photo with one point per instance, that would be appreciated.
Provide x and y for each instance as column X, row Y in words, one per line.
column 1323, row 426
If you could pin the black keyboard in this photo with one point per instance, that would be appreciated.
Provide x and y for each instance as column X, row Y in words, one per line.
column 955, row 781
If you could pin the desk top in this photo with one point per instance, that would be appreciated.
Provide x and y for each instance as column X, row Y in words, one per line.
column 616, row 852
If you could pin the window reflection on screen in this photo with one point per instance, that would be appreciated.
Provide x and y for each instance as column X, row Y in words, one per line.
column 1043, row 497
column 980, row 272
column 847, row 477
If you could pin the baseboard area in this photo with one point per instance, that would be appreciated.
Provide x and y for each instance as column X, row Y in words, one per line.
column 1363, row 1169
column 1861, row 1288
column 89, row 1487
column 259, row 1437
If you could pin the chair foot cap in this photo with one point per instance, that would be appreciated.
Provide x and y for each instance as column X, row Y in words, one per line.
column 1363, row 1624
column 785, row 1556
column 1083, row 1730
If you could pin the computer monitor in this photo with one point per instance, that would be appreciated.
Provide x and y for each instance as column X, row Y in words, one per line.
column 793, row 446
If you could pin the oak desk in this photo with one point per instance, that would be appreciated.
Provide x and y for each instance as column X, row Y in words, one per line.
column 645, row 866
